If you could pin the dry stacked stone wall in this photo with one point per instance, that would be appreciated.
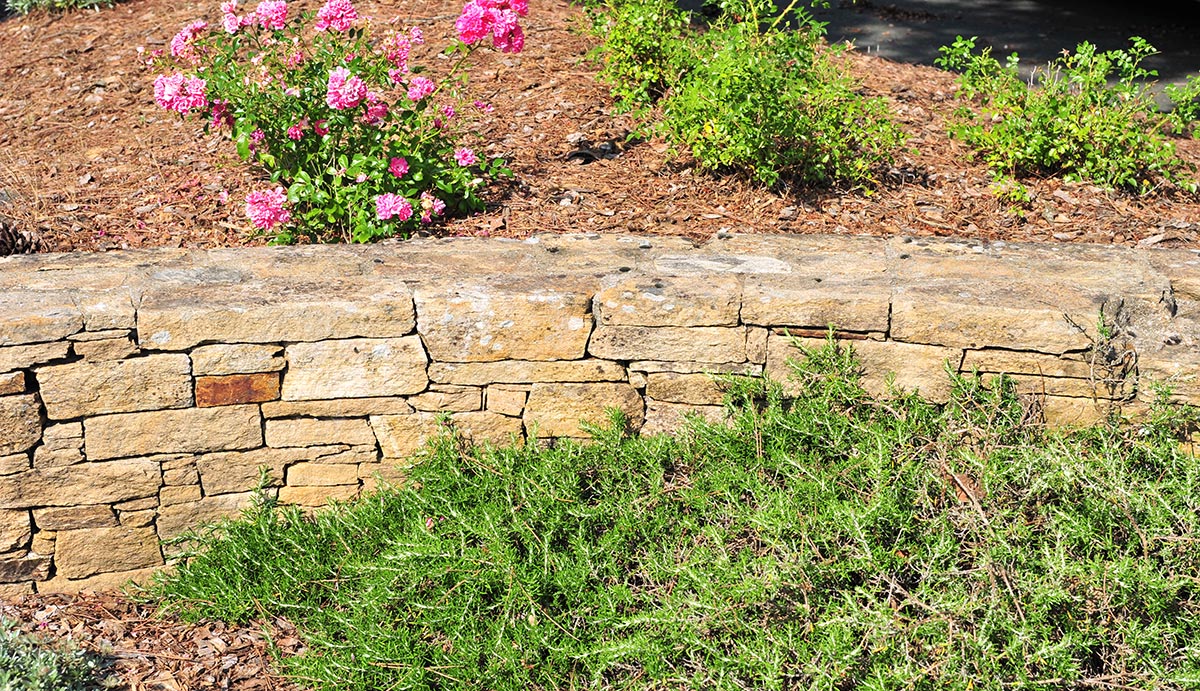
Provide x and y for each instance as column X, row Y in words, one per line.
column 142, row 392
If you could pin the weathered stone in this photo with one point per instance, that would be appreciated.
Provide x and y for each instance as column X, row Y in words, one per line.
column 556, row 410
column 86, row 552
column 142, row 504
column 173, row 317
column 1177, row 368
column 15, row 529
column 106, row 309
column 14, row 463
column 317, row 496
column 12, row 382
column 355, row 368
column 234, row 389
column 177, row 518
column 22, row 566
column 694, row 344
column 64, row 435
column 506, row 400
column 181, row 476
column 448, row 399
column 697, row 389
column 86, row 388
column 137, row 519
column 103, row 582
column 689, row 300
column 310, row 432
column 669, row 418
column 930, row 318
column 191, row 430
column 43, row 542
column 47, row 457
column 343, row 407
column 648, row 366
column 74, row 517
column 847, row 303
column 504, row 322
column 106, row 349
column 242, row 358
column 11, row 591
column 322, row 474
column 756, row 345
column 525, row 372
column 20, row 423
column 37, row 316
column 178, row 494
column 77, row 485
column 637, row 380
column 400, row 436
column 224, row 473
column 25, row 356
column 1031, row 385
column 105, row 335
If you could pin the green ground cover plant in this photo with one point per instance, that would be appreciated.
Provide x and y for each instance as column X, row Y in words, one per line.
column 1089, row 115
column 752, row 91
column 27, row 6
column 27, row 664
column 827, row 541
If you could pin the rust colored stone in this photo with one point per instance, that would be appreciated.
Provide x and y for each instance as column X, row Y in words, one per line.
column 233, row 389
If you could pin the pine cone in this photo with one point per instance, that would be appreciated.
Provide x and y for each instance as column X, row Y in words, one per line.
column 16, row 241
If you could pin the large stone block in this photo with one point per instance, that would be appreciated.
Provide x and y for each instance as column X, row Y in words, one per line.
column 795, row 301
column 691, row 300
column 310, row 432
column 400, row 436
column 84, row 389
column 448, row 398
column 22, row 566
column 929, row 317
column 1017, row 362
column 15, row 529
column 101, row 582
column 322, row 474
column 190, row 430
column 176, row 314
column 85, row 483
column 669, row 418
column 233, row 389
column 697, row 389
column 177, row 518
column 28, row 316
column 341, row 407
column 20, row 423
column 504, row 322
column 525, row 372
column 75, row 517
column 25, row 356
column 14, row 463
column 697, row 344
column 83, row 553
column 556, row 410
column 355, row 368
column 240, row 358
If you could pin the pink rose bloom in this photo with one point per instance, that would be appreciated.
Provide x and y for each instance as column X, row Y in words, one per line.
column 221, row 117
column 398, row 167
column 338, row 15
column 296, row 132
column 179, row 93
column 182, row 44
column 320, row 128
column 465, row 157
column 419, row 88
column 229, row 19
column 472, row 24
column 483, row 106
column 448, row 111
column 506, row 34
column 389, row 206
column 272, row 14
column 344, row 89
column 396, row 49
column 416, row 36
column 521, row 7
column 430, row 206
column 377, row 109
column 266, row 208
column 397, row 75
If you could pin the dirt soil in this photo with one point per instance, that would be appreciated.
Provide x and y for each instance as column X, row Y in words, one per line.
column 90, row 162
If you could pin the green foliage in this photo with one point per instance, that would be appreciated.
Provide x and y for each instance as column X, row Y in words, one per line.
column 29, row 665
column 747, row 94
column 1186, row 102
column 27, row 6
column 1090, row 117
column 826, row 541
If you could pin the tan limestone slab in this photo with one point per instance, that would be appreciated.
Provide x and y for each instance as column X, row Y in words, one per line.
column 11, row 383
column 1176, row 367
column 177, row 315
column 401, row 436
column 525, row 372
column 355, row 368
column 968, row 321
column 320, row 495
column 1017, row 362
column 316, row 432
column 239, row 358
column 714, row 344
column 189, row 430
column 11, row 591
column 87, row 552
column 175, row 519
column 658, row 300
column 103, row 582
column 74, row 517
column 43, row 542
column 696, row 389
column 322, row 474
column 181, row 476
column 808, row 303
column 506, row 400
column 448, row 399
column 669, row 418
column 63, row 435
column 531, row 320
column 23, row 566
column 26, row 356
column 175, row 494
column 16, row 529
column 137, row 519
column 557, row 410
column 137, row 504
column 746, row 368
column 28, row 316
column 106, row 349
column 84, row 389
column 85, row 483
column 342, row 407
column 46, row 457
column 20, row 423
column 14, row 463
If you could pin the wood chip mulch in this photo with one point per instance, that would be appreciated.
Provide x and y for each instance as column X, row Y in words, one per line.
column 143, row 651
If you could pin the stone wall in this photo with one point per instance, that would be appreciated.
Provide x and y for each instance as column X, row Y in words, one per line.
column 141, row 392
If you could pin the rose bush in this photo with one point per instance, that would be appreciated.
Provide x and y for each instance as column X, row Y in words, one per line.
column 357, row 142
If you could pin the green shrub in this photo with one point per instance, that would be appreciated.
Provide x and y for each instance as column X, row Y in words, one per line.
column 830, row 541
column 27, row 6
column 1091, row 117
column 29, row 665
column 1185, row 100
column 748, row 94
